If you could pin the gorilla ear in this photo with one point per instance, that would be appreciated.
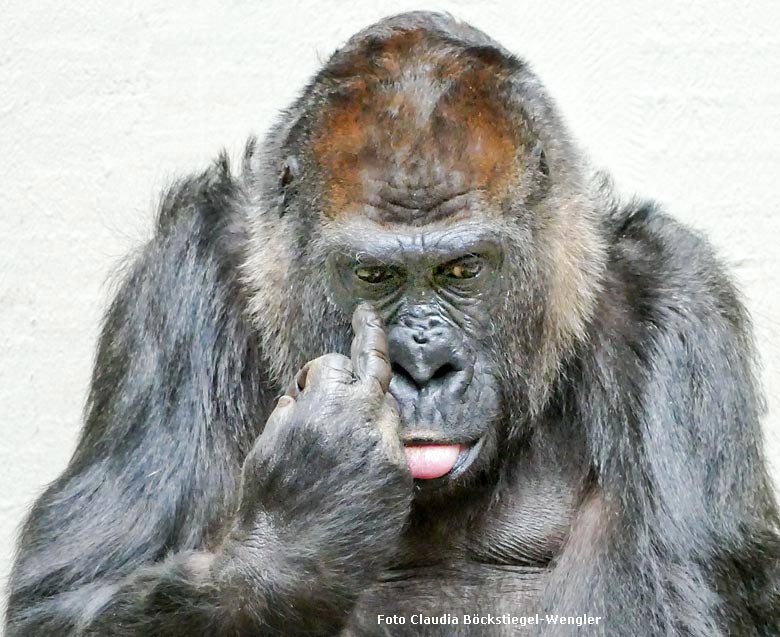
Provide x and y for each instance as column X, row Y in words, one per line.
column 541, row 172
column 540, row 160
column 290, row 172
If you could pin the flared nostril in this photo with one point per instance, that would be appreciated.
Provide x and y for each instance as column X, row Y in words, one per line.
column 443, row 372
column 401, row 374
column 427, row 358
column 420, row 376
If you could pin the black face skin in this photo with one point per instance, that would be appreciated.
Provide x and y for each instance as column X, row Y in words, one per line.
column 434, row 289
column 416, row 254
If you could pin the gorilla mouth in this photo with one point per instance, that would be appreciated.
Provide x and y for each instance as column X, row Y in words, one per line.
column 428, row 461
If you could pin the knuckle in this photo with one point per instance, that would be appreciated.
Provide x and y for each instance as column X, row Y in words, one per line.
column 373, row 389
column 322, row 369
column 376, row 352
column 334, row 360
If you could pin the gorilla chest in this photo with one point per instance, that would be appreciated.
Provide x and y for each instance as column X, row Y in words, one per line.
column 464, row 599
column 495, row 566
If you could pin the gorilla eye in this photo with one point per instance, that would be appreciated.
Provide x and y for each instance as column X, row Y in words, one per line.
column 466, row 268
column 373, row 274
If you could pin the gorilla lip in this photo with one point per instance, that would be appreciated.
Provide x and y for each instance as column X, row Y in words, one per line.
column 428, row 461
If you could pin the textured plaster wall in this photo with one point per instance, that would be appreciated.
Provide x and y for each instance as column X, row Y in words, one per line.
column 101, row 104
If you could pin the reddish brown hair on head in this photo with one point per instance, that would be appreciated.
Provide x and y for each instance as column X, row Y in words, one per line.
column 413, row 120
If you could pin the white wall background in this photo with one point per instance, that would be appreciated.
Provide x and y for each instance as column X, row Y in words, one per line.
column 101, row 104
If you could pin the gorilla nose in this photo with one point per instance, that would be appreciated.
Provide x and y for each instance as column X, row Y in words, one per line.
column 423, row 375
column 431, row 358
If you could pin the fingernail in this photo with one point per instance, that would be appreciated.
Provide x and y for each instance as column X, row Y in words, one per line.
column 285, row 400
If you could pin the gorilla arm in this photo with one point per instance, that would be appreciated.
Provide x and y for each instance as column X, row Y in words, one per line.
column 680, row 537
column 120, row 543
column 156, row 462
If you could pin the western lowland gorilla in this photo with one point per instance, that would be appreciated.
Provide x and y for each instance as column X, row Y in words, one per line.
column 523, row 396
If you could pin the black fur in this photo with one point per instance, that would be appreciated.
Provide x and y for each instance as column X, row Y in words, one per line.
column 630, row 486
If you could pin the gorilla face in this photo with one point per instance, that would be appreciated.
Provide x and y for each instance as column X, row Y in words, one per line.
column 435, row 287
column 414, row 156
column 420, row 183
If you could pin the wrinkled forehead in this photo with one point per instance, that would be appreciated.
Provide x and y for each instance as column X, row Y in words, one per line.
column 412, row 128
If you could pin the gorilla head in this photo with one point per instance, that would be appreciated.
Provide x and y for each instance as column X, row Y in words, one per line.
column 431, row 178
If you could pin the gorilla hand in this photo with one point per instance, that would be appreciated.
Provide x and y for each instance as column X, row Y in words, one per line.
column 326, row 489
column 335, row 433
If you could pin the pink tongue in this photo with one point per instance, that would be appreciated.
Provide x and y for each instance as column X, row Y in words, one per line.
column 431, row 461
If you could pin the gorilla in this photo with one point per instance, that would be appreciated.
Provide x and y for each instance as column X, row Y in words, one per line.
column 413, row 369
